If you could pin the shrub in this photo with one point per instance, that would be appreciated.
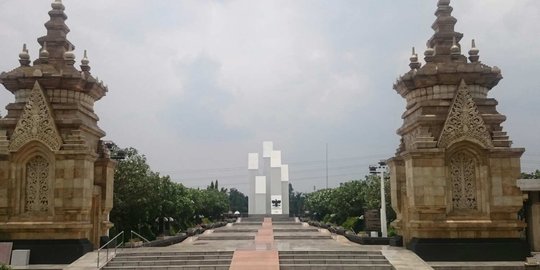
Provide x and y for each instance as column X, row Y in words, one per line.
column 205, row 221
column 5, row 267
column 392, row 232
column 353, row 223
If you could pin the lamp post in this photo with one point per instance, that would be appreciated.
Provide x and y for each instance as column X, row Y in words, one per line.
column 381, row 169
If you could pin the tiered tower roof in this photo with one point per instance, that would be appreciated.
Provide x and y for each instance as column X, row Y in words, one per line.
column 55, row 66
column 444, row 62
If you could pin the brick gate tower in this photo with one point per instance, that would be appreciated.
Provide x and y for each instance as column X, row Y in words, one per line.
column 56, row 176
column 453, row 178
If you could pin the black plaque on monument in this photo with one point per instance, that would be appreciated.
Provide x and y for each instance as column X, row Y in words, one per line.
column 373, row 220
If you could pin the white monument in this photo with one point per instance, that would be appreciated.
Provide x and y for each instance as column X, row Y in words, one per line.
column 269, row 183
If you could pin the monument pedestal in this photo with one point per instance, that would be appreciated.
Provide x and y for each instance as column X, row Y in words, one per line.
column 63, row 251
column 470, row 249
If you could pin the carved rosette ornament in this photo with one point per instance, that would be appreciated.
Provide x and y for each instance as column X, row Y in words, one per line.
column 464, row 121
column 37, row 185
column 36, row 123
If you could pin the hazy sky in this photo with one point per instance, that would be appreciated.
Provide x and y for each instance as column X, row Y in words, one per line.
column 196, row 85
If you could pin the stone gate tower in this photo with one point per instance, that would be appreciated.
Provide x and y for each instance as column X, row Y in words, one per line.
column 56, row 177
column 453, row 178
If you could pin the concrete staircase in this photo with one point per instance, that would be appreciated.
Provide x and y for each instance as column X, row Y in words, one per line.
column 339, row 260
column 211, row 260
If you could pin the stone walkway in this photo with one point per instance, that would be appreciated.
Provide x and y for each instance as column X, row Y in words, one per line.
column 262, row 255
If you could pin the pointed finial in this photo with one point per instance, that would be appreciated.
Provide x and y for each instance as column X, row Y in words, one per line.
column 69, row 56
column 84, row 63
column 57, row 4
column 24, row 57
column 443, row 3
column 473, row 53
column 455, row 50
column 414, row 60
column 85, row 58
column 429, row 54
column 44, row 54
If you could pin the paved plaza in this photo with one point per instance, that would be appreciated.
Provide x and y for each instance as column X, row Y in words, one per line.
column 260, row 243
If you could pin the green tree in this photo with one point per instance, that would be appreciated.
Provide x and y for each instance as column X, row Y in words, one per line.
column 237, row 201
column 210, row 203
column 319, row 203
column 142, row 196
column 532, row 175
column 296, row 202
column 350, row 199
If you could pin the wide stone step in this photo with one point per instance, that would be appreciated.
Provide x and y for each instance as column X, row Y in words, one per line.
column 299, row 233
column 236, row 231
column 332, row 261
column 211, row 260
column 296, row 230
column 180, row 257
column 247, row 224
column 173, row 253
column 226, row 237
column 184, row 267
column 116, row 263
column 332, row 256
column 336, row 267
column 304, row 237
column 323, row 252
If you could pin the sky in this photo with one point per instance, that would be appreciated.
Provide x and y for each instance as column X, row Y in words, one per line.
column 196, row 85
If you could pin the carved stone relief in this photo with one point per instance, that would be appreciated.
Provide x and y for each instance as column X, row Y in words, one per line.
column 463, row 180
column 37, row 185
column 464, row 121
column 36, row 123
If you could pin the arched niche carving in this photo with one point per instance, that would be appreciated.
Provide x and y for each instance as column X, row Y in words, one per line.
column 466, row 174
column 33, row 179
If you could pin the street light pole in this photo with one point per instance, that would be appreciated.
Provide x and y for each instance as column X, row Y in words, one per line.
column 384, row 228
column 380, row 170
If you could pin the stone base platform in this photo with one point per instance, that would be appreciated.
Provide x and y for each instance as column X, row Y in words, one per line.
column 54, row 251
column 470, row 250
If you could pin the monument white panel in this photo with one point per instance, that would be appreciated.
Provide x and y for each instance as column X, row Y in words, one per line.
column 284, row 172
column 253, row 161
column 260, row 184
column 20, row 257
column 276, row 205
column 275, row 160
column 268, row 147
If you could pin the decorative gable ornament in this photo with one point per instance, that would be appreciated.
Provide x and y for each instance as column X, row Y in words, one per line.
column 36, row 123
column 464, row 122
